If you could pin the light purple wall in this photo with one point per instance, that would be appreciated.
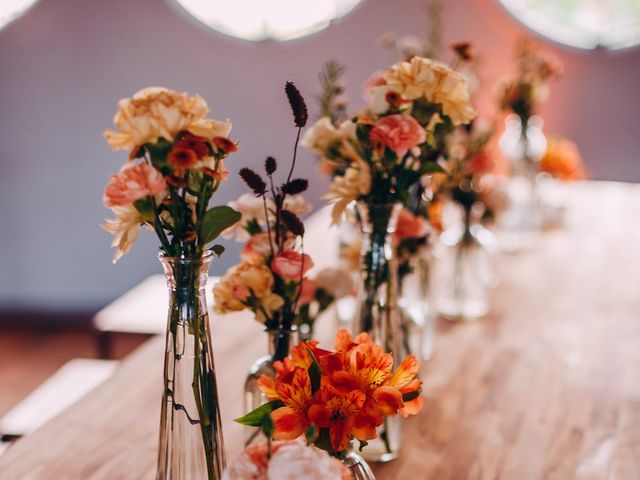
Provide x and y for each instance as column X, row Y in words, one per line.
column 65, row 64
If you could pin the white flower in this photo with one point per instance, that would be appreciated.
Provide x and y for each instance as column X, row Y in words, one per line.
column 124, row 228
column 376, row 98
column 319, row 136
column 297, row 204
column 343, row 190
column 296, row 461
column 251, row 208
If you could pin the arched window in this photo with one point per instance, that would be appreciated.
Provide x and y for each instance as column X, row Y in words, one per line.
column 267, row 19
column 12, row 9
column 588, row 24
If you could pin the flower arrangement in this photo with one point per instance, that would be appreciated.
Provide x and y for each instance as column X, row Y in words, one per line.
column 271, row 279
column 285, row 460
column 562, row 160
column 332, row 398
column 523, row 92
column 176, row 163
column 379, row 154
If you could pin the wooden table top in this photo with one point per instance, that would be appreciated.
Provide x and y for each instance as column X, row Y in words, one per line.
column 546, row 387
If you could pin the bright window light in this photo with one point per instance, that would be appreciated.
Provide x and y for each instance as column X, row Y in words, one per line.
column 267, row 19
column 12, row 9
column 589, row 24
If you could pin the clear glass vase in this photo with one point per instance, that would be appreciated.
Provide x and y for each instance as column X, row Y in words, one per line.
column 280, row 342
column 377, row 309
column 416, row 304
column 357, row 465
column 523, row 148
column 464, row 270
column 191, row 443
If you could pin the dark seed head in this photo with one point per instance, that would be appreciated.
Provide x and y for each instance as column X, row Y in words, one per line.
column 298, row 105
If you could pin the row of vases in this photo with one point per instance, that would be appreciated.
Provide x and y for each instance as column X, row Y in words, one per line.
column 396, row 316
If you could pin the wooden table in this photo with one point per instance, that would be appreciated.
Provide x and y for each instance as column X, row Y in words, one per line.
column 546, row 387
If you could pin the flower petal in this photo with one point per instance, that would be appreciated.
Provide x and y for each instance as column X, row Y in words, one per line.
column 288, row 424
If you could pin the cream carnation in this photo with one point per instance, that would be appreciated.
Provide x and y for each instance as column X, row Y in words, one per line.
column 124, row 228
column 230, row 292
column 297, row 204
column 343, row 190
column 250, row 208
column 319, row 136
column 155, row 112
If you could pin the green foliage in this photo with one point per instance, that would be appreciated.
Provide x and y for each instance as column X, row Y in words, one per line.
column 158, row 153
column 216, row 220
column 145, row 208
column 256, row 418
column 217, row 249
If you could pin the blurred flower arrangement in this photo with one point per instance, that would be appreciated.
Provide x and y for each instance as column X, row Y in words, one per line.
column 176, row 164
column 562, row 160
column 330, row 397
column 523, row 92
column 285, row 460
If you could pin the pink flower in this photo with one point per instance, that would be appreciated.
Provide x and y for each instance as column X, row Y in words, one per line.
column 308, row 291
column 240, row 292
column 409, row 226
column 133, row 182
column 398, row 132
column 291, row 265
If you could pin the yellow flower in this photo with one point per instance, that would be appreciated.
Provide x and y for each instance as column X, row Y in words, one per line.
column 413, row 79
column 155, row 112
column 320, row 136
column 423, row 78
column 125, row 228
column 241, row 281
column 345, row 189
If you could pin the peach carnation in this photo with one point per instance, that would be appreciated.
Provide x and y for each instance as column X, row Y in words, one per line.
column 398, row 132
column 134, row 182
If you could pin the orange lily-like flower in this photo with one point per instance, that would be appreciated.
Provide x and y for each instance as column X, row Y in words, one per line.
column 357, row 387
column 293, row 388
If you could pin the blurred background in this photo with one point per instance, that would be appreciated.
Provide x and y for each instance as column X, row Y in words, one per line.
column 65, row 63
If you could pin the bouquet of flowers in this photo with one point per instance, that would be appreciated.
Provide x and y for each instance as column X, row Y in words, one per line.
column 522, row 92
column 270, row 279
column 176, row 164
column 329, row 397
column 287, row 460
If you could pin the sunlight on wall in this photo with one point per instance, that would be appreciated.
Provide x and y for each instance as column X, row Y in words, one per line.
column 261, row 20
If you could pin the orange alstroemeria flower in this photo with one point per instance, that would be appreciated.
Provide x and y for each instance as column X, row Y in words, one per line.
column 293, row 388
column 342, row 415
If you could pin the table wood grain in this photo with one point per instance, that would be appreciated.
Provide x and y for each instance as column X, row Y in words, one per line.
column 546, row 387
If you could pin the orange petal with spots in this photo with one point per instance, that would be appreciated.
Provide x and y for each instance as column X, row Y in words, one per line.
column 388, row 400
column 405, row 373
column 267, row 385
column 364, row 426
column 288, row 424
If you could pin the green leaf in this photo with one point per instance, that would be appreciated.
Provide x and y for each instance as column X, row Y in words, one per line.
column 362, row 133
column 256, row 417
column 267, row 425
column 315, row 373
column 145, row 208
column 158, row 152
column 216, row 220
column 218, row 249
column 431, row 167
column 363, row 443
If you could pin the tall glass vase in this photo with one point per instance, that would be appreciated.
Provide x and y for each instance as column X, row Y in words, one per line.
column 416, row 304
column 523, row 143
column 377, row 311
column 191, row 443
column 280, row 343
column 464, row 270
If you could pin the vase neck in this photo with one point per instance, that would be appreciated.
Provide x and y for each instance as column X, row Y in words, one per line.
column 279, row 343
column 186, row 273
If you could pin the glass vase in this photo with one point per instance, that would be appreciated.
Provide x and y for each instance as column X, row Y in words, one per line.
column 523, row 146
column 377, row 309
column 357, row 465
column 191, row 443
column 417, row 320
column 279, row 342
column 465, row 270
